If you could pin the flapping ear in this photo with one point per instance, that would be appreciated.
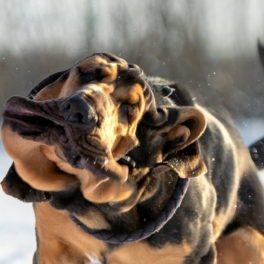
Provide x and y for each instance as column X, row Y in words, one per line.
column 52, row 78
column 180, row 147
column 13, row 185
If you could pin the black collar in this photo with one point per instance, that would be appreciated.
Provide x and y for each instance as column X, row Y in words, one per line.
column 146, row 230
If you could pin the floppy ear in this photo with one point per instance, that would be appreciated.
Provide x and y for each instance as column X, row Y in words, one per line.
column 180, row 149
column 52, row 78
column 13, row 185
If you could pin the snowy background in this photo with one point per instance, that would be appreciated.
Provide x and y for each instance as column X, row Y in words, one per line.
column 17, row 238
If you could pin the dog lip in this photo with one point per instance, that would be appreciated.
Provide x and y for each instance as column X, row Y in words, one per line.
column 23, row 110
column 27, row 119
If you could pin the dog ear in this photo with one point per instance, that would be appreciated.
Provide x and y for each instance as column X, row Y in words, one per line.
column 52, row 78
column 180, row 147
column 13, row 185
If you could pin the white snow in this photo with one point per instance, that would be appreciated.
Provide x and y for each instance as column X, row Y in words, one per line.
column 17, row 235
column 17, row 238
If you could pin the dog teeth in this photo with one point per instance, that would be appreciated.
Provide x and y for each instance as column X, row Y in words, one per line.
column 105, row 162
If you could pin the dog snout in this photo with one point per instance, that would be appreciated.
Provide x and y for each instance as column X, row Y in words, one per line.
column 78, row 111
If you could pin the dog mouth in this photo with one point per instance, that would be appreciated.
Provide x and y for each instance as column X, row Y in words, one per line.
column 26, row 114
column 45, row 122
column 29, row 123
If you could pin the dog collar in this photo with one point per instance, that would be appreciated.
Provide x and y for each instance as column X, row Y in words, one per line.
column 147, row 229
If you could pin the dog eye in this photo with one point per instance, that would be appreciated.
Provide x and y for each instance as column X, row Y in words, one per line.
column 128, row 110
column 124, row 110
column 86, row 76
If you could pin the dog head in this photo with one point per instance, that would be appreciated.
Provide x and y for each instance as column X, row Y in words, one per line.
column 100, row 127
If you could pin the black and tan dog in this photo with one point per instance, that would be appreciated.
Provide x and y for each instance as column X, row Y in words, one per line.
column 100, row 149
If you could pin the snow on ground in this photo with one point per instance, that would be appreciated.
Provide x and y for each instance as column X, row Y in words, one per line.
column 17, row 237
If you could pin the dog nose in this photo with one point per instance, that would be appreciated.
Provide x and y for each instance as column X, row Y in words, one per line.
column 76, row 110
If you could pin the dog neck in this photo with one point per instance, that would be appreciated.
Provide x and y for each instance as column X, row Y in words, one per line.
column 148, row 228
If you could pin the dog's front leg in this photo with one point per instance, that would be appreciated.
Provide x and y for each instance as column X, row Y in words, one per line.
column 210, row 257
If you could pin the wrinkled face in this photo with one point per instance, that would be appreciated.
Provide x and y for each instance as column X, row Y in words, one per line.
column 95, row 110
column 85, row 122
column 79, row 128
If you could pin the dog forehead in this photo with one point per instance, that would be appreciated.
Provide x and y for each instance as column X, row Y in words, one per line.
column 101, row 60
column 103, row 67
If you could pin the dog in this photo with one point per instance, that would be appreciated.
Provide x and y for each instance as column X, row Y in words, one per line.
column 125, row 168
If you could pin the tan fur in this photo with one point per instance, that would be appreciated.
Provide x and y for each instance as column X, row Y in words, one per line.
column 221, row 220
column 188, row 135
column 31, row 160
column 37, row 164
column 32, row 165
column 140, row 252
column 58, row 235
column 244, row 246
column 93, row 189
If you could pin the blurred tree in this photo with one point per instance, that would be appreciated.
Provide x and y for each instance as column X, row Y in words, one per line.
column 205, row 45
